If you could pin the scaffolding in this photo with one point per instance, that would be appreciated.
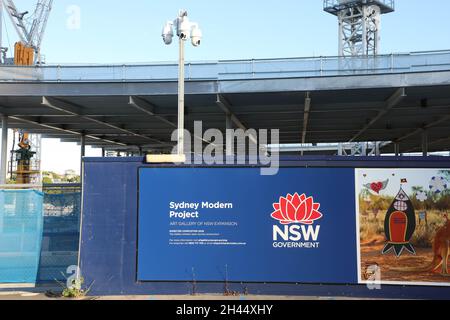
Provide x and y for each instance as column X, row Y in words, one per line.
column 26, row 169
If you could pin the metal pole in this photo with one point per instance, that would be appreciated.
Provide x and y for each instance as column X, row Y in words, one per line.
column 397, row 149
column 83, row 153
column 377, row 149
column 1, row 25
column 181, row 99
column 340, row 149
column 425, row 143
column 341, row 36
column 83, row 145
column 4, row 150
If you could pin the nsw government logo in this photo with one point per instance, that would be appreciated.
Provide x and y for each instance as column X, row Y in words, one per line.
column 297, row 216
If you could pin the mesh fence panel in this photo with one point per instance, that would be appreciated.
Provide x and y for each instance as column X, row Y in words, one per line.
column 61, row 233
column 21, row 224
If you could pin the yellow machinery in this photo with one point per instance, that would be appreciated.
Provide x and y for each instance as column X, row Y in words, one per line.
column 25, row 164
column 30, row 28
column 23, row 54
column 25, row 171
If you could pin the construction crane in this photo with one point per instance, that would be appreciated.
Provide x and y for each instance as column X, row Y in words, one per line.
column 359, row 24
column 25, row 161
column 30, row 30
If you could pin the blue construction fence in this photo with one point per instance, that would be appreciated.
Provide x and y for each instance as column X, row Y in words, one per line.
column 20, row 235
column 39, row 233
column 116, row 199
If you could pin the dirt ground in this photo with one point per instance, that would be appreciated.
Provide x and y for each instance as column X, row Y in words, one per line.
column 372, row 254
column 18, row 295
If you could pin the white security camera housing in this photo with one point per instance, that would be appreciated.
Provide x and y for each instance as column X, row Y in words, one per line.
column 167, row 33
column 184, row 26
column 167, row 39
column 196, row 35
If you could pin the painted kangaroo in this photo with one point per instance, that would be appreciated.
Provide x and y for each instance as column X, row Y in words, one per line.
column 441, row 252
column 441, row 249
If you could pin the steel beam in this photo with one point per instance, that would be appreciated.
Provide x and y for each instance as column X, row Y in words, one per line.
column 306, row 116
column 74, row 110
column 61, row 129
column 225, row 105
column 149, row 109
column 390, row 103
column 425, row 127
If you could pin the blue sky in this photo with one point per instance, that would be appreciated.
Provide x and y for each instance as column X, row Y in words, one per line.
column 414, row 177
column 127, row 32
column 116, row 31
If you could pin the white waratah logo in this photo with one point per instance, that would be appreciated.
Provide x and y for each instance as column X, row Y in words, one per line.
column 297, row 214
column 296, row 209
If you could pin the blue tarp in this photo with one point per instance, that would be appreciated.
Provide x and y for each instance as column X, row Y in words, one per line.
column 21, row 225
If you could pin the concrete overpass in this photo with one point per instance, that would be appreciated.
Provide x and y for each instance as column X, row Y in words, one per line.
column 403, row 98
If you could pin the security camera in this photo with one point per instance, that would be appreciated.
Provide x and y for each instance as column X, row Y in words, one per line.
column 196, row 35
column 167, row 33
column 167, row 39
column 184, row 27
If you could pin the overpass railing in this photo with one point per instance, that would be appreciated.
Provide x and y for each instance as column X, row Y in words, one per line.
column 234, row 69
column 333, row 6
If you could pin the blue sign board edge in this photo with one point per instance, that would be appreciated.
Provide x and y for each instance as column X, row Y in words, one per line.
column 169, row 166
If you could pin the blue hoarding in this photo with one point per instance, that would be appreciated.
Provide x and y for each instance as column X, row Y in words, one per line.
column 217, row 224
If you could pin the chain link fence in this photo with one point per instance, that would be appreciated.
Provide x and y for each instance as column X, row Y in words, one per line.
column 60, row 239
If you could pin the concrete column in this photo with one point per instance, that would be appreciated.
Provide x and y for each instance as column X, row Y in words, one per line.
column 425, row 143
column 4, row 151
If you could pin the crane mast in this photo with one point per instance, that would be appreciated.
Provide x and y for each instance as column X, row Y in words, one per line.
column 359, row 24
column 39, row 24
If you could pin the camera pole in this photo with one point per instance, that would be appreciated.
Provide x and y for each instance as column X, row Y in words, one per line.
column 181, row 97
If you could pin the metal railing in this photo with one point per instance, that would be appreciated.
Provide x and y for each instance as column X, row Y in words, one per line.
column 234, row 69
column 335, row 5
